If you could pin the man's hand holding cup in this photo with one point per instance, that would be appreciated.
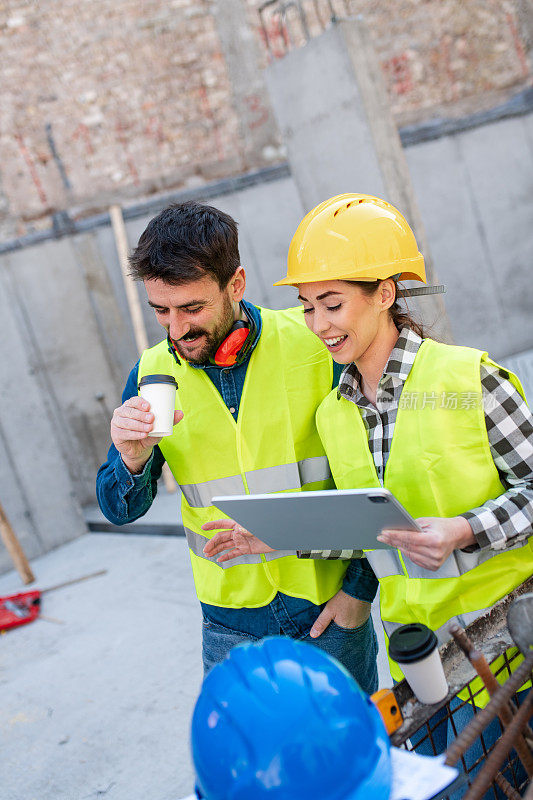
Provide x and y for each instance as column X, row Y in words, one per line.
column 140, row 423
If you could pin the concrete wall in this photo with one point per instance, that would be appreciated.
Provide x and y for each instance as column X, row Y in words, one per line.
column 129, row 99
column 36, row 487
column 67, row 347
column 475, row 193
column 474, row 189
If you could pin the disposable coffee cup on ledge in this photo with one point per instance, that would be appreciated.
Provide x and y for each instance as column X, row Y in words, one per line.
column 415, row 648
column 160, row 392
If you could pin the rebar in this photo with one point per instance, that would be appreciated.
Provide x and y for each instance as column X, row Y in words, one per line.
column 480, row 721
column 485, row 776
column 529, row 794
column 280, row 9
column 492, row 686
column 506, row 787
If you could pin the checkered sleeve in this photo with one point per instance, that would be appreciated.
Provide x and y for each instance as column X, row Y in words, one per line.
column 507, row 519
column 330, row 554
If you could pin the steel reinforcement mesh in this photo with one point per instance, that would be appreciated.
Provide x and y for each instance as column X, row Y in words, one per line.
column 508, row 776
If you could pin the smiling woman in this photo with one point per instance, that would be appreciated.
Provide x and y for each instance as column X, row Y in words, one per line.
column 349, row 318
column 402, row 400
column 444, row 428
column 399, row 388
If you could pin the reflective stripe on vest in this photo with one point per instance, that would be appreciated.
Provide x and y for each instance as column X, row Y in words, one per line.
column 272, row 446
column 260, row 481
column 198, row 495
column 314, row 469
column 443, row 634
column 279, row 554
column 197, row 542
column 385, row 562
column 390, row 562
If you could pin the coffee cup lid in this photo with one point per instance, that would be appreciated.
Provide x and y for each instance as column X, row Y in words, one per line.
column 146, row 379
column 411, row 642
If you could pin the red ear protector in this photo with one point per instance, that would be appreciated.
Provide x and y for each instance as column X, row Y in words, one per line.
column 227, row 353
column 237, row 343
column 235, row 347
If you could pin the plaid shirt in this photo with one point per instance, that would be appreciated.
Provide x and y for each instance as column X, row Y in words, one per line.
column 498, row 523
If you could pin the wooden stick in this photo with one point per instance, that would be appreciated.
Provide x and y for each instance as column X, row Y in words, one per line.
column 14, row 549
column 132, row 296
column 168, row 479
column 74, row 580
column 134, row 305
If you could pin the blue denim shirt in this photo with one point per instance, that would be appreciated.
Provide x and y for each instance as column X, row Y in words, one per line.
column 124, row 497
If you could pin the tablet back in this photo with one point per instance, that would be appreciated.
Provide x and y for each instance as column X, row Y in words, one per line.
column 336, row 519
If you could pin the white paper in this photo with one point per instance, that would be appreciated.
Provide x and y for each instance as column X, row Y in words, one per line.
column 416, row 777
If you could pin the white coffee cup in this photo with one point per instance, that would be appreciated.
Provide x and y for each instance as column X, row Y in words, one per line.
column 415, row 648
column 160, row 392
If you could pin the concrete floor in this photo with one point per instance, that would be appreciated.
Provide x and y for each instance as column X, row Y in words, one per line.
column 97, row 703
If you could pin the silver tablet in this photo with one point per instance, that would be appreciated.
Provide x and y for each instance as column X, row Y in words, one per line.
column 335, row 519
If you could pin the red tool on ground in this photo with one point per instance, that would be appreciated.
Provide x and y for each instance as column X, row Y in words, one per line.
column 19, row 609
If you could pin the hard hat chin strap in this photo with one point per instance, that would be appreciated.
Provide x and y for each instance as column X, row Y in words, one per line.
column 418, row 291
column 422, row 290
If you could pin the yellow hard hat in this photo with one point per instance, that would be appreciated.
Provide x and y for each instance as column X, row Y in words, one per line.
column 354, row 237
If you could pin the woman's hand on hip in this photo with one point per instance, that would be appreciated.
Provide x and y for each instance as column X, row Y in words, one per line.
column 234, row 539
column 345, row 610
column 430, row 547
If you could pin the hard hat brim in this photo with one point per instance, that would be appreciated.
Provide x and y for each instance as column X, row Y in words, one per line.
column 377, row 784
column 413, row 270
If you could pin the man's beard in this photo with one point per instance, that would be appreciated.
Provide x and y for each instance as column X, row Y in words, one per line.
column 212, row 339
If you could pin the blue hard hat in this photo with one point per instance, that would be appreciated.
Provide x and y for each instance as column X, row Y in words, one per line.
column 283, row 720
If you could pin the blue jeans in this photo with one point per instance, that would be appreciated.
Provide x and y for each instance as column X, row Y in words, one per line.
column 355, row 648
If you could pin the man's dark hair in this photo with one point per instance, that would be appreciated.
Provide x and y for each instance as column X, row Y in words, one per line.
column 185, row 242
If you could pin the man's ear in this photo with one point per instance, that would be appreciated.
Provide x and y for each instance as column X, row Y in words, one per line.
column 387, row 293
column 237, row 285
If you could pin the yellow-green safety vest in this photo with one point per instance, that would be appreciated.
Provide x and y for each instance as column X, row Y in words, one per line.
column 273, row 447
column 439, row 465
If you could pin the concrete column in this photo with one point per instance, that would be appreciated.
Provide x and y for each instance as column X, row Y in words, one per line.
column 250, row 97
column 334, row 115
column 35, row 486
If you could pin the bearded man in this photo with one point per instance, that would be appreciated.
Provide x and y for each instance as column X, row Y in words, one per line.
column 250, row 381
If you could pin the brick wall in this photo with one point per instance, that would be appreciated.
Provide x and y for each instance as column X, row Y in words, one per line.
column 438, row 56
column 135, row 94
column 105, row 101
